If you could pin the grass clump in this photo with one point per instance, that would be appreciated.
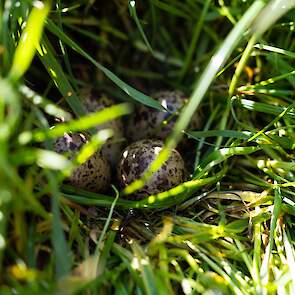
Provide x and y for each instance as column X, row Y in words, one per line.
column 229, row 228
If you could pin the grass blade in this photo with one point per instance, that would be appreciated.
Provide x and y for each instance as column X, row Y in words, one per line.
column 29, row 40
column 265, row 267
column 81, row 124
column 133, row 13
column 221, row 155
column 199, row 92
column 144, row 266
column 62, row 257
column 132, row 92
column 53, row 67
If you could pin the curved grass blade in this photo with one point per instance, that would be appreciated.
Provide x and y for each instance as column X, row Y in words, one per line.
column 221, row 155
column 212, row 69
column 54, row 161
column 269, row 15
column 53, row 67
column 132, row 92
column 263, row 107
column 92, row 199
column 179, row 193
column 267, row 82
column 264, row 138
column 199, row 92
column 29, row 40
column 274, row 10
column 284, row 52
column 162, row 200
column 83, row 123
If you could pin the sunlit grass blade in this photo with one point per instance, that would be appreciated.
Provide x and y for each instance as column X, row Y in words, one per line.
column 146, row 270
column 162, row 200
column 229, row 278
column 48, row 106
column 274, row 10
column 267, row 82
column 212, row 69
column 282, row 66
column 29, row 40
column 93, row 145
column 179, row 193
column 199, row 92
column 54, row 69
column 284, row 52
column 81, row 124
column 228, row 228
column 43, row 158
column 263, row 107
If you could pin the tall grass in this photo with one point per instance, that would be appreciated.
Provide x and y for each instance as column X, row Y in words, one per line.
column 229, row 228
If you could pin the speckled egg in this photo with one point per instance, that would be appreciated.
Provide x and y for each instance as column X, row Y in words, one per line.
column 138, row 156
column 94, row 174
column 94, row 102
column 151, row 123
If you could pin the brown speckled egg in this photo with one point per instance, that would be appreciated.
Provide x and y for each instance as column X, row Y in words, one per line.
column 138, row 156
column 150, row 123
column 93, row 102
column 94, row 174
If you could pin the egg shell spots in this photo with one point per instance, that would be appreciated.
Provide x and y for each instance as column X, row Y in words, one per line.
column 94, row 174
column 148, row 123
column 69, row 142
column 110, row 149
column 138, row 156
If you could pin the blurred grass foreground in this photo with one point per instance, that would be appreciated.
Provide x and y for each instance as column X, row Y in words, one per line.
column 229, row 227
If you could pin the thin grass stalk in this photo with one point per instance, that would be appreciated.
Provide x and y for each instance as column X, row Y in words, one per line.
column 199, row 92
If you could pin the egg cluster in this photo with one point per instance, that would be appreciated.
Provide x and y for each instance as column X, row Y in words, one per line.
column 146, row 129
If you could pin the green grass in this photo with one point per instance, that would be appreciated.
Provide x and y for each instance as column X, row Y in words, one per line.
column 229, row 229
